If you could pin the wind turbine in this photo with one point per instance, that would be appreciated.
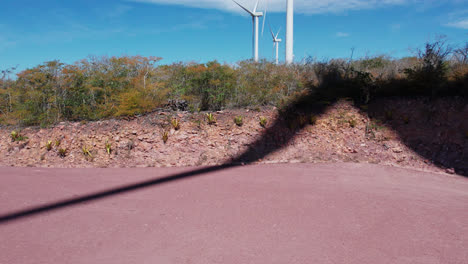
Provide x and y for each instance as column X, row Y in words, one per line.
column 289, row 31
column 255, row 15
column 276, row 42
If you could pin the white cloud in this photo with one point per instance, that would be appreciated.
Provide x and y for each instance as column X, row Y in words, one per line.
column 301, row 6
column 463, row 24
column 342, row 35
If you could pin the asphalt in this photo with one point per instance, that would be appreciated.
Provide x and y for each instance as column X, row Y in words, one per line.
column 290, row 213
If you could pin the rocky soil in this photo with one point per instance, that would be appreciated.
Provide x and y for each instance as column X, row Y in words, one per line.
column 416, row 133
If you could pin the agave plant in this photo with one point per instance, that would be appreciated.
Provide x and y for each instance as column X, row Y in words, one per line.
column 175, row 124
column 263, row 121
column 62, row 152
column 165, row 136
column 108, row 148
column 210, row 118
column 86, row 151
column 49, row 145
column 14, row 135
column 238, row 120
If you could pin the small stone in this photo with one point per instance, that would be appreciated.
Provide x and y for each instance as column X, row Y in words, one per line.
column 352, row 150
column 450, row 171
column 397, row 150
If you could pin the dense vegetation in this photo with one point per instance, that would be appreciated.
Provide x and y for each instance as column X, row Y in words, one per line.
column 104, row 87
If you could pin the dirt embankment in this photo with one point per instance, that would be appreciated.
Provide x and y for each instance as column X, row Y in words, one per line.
column 416, row 133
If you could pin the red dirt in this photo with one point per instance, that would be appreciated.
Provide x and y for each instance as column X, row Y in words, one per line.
column 301, row 213
column 403, row 133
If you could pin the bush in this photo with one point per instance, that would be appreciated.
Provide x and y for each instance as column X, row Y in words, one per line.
column 113, row 87
column 430, row 74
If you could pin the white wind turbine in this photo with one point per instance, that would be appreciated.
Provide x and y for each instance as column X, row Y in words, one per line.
column 276, row 42
column 255, row 15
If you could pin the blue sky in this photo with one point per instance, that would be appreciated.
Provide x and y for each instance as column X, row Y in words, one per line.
column 32, row 32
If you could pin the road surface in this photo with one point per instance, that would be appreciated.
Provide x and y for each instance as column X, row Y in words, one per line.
column 290, row 213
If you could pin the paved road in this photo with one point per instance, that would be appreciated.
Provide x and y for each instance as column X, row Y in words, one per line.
column 297, row 213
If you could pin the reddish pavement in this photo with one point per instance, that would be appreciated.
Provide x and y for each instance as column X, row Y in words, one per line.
column 296, row 213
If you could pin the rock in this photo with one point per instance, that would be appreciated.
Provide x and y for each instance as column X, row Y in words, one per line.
column 397, row 150
column 450, row 171
column 350, row 150
column 145, row 146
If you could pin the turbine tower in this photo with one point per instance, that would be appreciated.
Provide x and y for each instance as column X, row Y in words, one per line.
column 255, row 15
column 289, row 31
column 276, row 42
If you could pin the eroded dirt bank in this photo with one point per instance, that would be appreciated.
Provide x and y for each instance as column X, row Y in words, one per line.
column 415, row 133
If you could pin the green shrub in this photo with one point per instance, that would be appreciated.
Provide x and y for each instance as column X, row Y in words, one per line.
column 210, row 118
column 49, row 145
column 263, row 121
column 109, row 87
column 62, row 152
column 16, row 136
column 86, row 151
column 108, row 148
column 238, row 120
column 429, row 76
column 175, row 124
column 165, row 136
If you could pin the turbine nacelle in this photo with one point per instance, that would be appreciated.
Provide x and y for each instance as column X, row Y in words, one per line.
column 275, row 37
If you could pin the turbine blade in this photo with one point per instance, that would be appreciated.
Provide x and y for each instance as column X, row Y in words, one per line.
column 272, row 34
column 278, row 32
column 255, row 8
column 248, row 11
column 264, row 17
column 263, row 26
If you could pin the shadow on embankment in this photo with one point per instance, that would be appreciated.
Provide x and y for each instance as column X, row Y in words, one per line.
column 438, row 135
